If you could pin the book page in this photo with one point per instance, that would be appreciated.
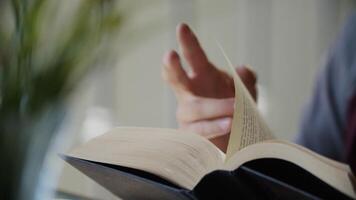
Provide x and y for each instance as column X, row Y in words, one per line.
column 180, row 157
column 335, row 174
column 248, row 127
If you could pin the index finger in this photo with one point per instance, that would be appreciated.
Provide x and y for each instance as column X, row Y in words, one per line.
column 192, row 51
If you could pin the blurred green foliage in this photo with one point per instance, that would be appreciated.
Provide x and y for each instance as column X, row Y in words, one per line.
column 46, row 48
column 31, row 78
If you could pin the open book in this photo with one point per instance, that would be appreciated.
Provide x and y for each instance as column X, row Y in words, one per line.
column 153, row 163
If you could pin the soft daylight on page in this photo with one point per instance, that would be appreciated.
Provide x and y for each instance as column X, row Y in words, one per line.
column 180, row 157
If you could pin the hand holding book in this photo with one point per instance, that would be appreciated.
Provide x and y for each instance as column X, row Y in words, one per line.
column 205, row 93
column 153, row 163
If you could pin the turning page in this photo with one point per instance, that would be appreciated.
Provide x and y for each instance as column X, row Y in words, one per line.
column 248, row 127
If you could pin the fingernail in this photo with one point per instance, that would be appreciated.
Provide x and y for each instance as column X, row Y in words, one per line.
column 225, row 124
column 165, row 59
column 183, row 27
column 168, row 56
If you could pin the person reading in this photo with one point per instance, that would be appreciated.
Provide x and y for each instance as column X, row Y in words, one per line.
column 246, row 162
column 205, row 96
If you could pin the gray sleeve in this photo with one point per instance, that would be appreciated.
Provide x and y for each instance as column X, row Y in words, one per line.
column 322, row 128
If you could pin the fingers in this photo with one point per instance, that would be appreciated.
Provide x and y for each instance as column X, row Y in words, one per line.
column 191, row 49
column 249, row 78
column 194, row 108
column 247, row 75
column 173, row 72
column 209, row 128
column 221, row 142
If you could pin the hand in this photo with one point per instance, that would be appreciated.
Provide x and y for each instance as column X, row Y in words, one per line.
column 205, row 94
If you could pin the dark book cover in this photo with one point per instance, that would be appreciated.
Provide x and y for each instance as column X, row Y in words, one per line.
column 258, row 179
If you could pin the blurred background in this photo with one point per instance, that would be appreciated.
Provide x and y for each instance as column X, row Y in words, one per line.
column 284, row 41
